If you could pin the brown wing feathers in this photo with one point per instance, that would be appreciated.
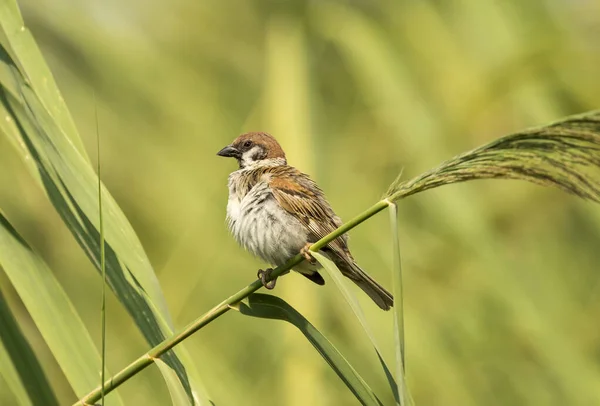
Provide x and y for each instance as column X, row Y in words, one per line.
column 302, row 198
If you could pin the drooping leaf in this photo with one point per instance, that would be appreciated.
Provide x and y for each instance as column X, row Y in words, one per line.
column 19, row 366
column 51, row 311
column 178, row 393
column 336, row 275
column 272, row 307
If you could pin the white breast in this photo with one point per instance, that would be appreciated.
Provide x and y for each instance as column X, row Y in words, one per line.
column 261, row 226
column 233, row 208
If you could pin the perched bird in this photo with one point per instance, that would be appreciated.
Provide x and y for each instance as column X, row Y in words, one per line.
column 275, row 212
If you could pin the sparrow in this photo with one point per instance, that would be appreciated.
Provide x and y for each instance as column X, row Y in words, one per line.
column 275, row 212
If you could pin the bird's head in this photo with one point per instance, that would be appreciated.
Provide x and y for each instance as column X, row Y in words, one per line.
column 254, row 148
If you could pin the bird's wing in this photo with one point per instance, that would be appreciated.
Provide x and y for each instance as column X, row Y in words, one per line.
column 301, row 197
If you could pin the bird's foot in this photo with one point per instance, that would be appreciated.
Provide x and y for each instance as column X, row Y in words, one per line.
column 265, row 278
column 306, row 253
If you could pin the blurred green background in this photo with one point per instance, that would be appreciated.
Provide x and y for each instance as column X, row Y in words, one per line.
column 502, row 293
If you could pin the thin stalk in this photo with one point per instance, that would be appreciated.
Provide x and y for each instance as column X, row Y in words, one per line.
column 403, row 395
column 102, row 264
column 222, row 308
column 397, row 282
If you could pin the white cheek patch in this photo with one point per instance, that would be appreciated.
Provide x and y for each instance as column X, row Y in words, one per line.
column 251, row 155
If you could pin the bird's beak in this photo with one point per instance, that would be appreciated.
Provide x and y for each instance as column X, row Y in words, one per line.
column 229, row 151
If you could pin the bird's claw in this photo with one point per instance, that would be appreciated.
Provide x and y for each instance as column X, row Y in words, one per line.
column 265, row 278
column 307, row 255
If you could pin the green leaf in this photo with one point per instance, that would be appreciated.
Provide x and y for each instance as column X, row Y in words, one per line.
column 19, row 367
column 51, row 311
column 398, row 310
column 71, row 185
column 337, row 277
column 272, row 307
column 178, row 394
column 11, row 385
column 32, row 63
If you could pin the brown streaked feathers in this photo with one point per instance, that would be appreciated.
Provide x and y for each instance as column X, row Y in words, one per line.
column 274, row 210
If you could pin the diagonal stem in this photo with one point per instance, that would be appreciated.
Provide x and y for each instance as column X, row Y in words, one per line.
column 222, row 308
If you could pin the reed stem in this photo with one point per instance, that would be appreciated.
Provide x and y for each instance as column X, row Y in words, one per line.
column 222, row 308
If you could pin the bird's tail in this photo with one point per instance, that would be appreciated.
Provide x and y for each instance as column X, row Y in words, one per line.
column 380, row 296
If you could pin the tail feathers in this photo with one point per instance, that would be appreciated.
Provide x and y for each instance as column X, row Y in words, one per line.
column 380, row 296
column 315, row 277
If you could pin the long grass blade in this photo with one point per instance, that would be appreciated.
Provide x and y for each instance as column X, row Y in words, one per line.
column 336, row 275
column 19, row 366
column 565, row 155
column 71, row 185
column 272, row 307
column 178, row 393
column 51, row 311
column 32, row 63
column 12, row 390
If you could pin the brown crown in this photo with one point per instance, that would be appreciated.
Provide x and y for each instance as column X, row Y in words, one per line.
column 270, row 144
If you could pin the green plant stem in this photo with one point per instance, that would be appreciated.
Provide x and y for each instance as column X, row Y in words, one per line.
column 222, row 308
column 102, row 265
column 403, row 394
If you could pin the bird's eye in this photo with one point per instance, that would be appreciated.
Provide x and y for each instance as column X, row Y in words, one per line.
column 247, row 144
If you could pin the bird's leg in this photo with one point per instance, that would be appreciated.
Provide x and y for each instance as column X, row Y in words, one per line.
column 306, row 253
column 265, row 278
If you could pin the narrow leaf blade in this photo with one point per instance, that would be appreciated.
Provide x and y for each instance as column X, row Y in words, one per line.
column 272, row 307
column 52, row 311
column 20, row 367
column 337, row 277
column 71, row 185
column 36, row 70
column 178, row 394
column 398, row 310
